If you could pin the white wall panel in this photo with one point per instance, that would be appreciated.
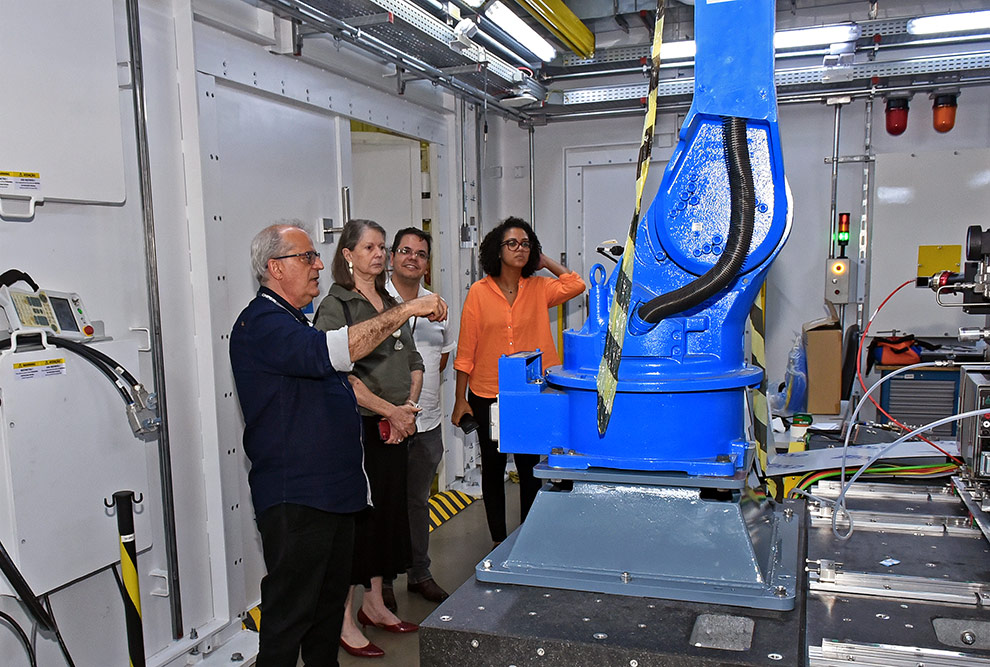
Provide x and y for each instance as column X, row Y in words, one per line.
column 59, row 104
column 924, row 199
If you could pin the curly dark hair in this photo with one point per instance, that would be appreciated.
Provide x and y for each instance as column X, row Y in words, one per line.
column 490, row 253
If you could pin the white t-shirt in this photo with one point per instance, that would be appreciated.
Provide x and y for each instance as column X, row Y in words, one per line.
column 433, row 339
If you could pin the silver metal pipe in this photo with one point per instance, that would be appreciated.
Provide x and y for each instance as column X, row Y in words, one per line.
column 377, row 47
column 862, row 275
column 480, row 153
column 155, row 314
column 833, row 213
column 532, row 177
column 793, row 98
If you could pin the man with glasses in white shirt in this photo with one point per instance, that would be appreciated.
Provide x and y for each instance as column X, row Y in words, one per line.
column 434, row 341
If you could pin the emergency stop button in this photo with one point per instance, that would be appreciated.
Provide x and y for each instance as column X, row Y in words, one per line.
column 88, row 330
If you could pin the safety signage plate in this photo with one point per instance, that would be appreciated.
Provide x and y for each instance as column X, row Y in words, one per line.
column 29, row 370
column 19, row 181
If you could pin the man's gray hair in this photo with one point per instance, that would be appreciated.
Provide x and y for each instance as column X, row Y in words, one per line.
column 269, row 243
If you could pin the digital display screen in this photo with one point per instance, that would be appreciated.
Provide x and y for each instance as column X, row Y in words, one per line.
column 63, row 311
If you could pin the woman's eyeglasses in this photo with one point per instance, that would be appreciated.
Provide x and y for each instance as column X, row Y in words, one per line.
column 309, row 256
column 513, row 244
column 418, row 254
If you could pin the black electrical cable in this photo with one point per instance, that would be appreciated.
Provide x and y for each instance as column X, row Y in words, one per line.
column 23, row 590
column 23, row 636
column 85, row 349
column 741, row 221
column 85, row 353
column 11, row 276
column 58, row 634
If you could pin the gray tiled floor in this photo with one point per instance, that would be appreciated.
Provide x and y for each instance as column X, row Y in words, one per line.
column 455, row 548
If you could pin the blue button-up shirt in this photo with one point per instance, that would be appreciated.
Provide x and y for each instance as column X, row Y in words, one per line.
column 302, row 427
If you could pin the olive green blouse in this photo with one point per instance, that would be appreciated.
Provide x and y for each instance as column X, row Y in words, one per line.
column 386, row 371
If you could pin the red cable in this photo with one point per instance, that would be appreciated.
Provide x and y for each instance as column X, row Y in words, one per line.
column 862, row 383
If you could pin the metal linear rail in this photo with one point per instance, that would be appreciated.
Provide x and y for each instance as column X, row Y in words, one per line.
column 921, row 524
column 827, row 576
column 834, row 652
column 831, row 489
column 797, row 76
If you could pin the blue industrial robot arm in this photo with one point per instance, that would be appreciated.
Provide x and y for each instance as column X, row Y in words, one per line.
column 702, row 252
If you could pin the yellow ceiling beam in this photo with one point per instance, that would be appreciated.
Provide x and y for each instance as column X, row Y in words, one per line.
column 562, row 22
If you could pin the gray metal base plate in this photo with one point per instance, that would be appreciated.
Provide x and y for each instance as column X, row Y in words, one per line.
column 672, row 543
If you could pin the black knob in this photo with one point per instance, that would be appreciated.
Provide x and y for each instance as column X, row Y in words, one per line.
column 977, row 243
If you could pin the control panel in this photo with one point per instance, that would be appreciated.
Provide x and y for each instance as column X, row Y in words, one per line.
column 61, row 313
column 974, row 434
column 838, row 280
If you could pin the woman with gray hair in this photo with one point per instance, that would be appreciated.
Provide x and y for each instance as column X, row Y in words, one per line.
column 387, row 383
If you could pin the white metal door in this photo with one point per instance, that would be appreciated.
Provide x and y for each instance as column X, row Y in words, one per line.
column 273, row 162
column 388, row 181
column 600, row 198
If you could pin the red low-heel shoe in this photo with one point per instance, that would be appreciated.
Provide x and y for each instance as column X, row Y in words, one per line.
column 367, row 651
column 399, row 627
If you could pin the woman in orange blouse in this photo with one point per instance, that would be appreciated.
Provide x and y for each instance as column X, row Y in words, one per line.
column 506, row 312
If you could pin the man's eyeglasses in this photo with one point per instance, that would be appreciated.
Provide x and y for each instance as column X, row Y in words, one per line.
column 513, row 244
column 309, row 256
column 418, row 254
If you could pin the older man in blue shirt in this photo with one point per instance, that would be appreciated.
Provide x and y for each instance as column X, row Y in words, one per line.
column 303, row 436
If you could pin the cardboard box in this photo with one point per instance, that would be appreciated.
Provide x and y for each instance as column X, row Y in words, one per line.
column 823, row 346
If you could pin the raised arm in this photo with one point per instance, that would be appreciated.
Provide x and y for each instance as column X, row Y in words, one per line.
column 363, row 337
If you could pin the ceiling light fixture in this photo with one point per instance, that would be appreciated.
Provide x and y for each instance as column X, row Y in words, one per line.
column 961, row 22
column 563, row 23
column 827, row 34
column 682, row 50
column 504, row 18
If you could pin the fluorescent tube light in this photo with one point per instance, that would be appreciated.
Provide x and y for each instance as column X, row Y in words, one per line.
column 829, row 34
column 677, row 50
column 520, row 31
column 961, row 22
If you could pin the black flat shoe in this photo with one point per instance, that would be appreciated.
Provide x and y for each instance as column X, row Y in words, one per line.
column 429, row 589
column 388, row 596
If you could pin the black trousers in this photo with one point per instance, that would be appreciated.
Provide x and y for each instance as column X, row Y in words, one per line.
column 308, row 556
column 493, row 472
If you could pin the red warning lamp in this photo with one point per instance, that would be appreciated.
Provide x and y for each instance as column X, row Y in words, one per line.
column 897, row 115
column 944, row 110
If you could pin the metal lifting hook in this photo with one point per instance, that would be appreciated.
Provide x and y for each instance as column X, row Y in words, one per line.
column 138, row 499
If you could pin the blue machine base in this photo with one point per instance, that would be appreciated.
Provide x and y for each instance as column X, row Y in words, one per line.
column 654, row 541
column 738, row 480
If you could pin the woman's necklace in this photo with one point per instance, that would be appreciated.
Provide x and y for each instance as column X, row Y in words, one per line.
column 395, row 334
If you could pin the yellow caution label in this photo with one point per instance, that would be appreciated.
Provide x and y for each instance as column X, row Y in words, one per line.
column 36, row 364
column 29, row 370
column 20, row 174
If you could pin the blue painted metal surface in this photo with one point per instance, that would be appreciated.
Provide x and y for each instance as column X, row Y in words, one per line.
column 680, row 399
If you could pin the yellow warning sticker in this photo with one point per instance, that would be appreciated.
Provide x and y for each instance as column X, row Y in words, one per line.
column 17, row 181
column 28, row 370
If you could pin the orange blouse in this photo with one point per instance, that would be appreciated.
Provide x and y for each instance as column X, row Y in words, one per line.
column 491, row 328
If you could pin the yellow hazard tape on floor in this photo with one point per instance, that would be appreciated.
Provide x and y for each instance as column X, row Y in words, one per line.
column 253, row 619
column 446, row 504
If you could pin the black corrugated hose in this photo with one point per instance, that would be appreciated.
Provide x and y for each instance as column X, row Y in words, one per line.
column 742, row 196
